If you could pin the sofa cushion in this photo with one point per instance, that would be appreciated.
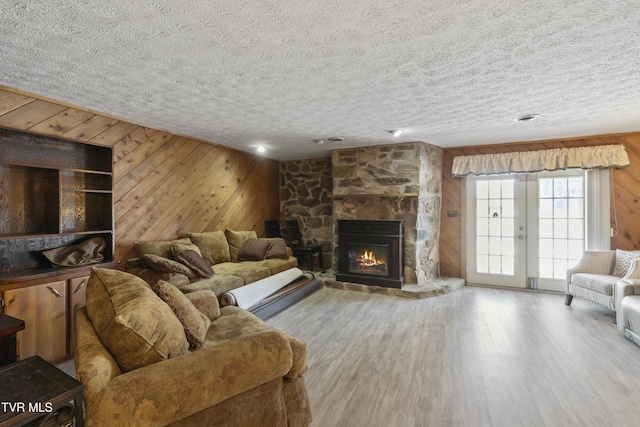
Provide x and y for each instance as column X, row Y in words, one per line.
column 236, row 239
column 213, row 246
column 165, row 265
column 278, row 248
column 623, row 261
column 134, row 324
column 248, row 271
column 194, row 322
column 161, row 248
column 277, row 265
column 235, row 322
column 218, row 284
column 206, row 302
column 596, row 282
column 192, row 260
column 254, row 250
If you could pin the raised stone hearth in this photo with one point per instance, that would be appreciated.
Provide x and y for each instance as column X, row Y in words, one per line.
column 433, row 288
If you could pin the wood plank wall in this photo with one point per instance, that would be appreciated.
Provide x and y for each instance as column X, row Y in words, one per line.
column 165, row 185
column 625, row 194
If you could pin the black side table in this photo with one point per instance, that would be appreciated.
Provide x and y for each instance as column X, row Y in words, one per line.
column 9, row 327
column 36, row 393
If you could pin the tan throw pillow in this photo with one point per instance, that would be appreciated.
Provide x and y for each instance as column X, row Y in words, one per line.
column 161, row 248
column 254, row 250
column 195, row 323
column 195, row 262
column 213, row 246
column 166, row 265
column 134, row 324
column 177, row 247
column 236, row 239
column 278, row 248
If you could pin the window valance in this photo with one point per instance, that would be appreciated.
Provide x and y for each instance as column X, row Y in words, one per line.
column 601, row 156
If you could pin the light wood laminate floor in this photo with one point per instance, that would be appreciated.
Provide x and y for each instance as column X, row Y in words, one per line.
column 474, row 357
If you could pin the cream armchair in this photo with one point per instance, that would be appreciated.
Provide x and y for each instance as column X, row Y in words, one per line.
column 594, row 278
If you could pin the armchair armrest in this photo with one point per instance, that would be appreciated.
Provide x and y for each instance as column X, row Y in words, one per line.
column 624, row 288
column 634, row 271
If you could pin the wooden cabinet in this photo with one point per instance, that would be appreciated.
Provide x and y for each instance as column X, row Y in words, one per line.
column 43, row 309
column 45, row 304
column 53, row 193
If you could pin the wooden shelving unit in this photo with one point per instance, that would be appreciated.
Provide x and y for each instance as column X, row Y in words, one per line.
column 53, row 193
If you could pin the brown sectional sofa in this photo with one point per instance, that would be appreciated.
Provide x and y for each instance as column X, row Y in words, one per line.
column 154, row 356
column 221, row 250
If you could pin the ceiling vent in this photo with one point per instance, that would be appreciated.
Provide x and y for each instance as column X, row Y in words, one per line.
column 526, row 118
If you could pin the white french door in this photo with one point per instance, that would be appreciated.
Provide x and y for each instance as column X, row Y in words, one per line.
column 524, row 231
column 496, row 252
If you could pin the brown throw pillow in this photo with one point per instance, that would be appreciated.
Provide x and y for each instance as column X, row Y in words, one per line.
column 195, row 323
column 236, row 239
column 278, row 248
column 254, row 250
column 166, row 265
column 195, row 262
column 162, row 248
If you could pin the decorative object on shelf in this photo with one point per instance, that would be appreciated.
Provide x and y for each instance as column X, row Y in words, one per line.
column 89, row 251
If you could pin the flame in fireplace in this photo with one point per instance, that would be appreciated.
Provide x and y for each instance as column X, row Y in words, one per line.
column 368, row 259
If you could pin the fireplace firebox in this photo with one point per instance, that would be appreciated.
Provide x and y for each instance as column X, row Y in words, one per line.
column 370, row 252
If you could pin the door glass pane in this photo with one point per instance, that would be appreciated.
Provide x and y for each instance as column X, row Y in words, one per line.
column 561, row 225
column 495, row 212
column 546, row 208
column 545, row 187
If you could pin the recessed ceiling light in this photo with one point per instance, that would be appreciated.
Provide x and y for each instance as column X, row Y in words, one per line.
column 261, row 149
column 396, row 133
column 335, row 139
column 526, row 118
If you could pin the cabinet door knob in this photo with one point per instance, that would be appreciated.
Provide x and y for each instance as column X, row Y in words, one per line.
column 55, row 292
column 80, row 286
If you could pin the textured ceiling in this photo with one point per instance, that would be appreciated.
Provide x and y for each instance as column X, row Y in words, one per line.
column 284, row 72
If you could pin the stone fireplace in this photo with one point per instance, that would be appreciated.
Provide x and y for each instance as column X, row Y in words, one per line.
column 400, row 182
column 393, row 182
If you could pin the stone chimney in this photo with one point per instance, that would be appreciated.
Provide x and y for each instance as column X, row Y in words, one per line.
column 400, row 181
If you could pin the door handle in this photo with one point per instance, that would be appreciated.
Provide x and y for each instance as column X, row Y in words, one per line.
column 54, row 291
column 80, row 286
